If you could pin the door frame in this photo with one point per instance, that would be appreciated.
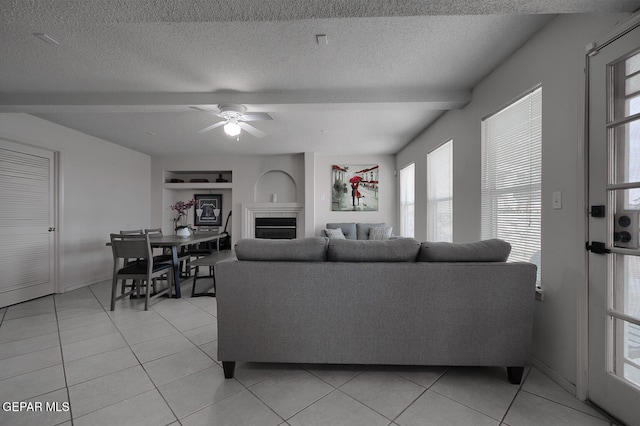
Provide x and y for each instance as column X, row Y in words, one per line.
column 57, row 222
column 592, row 49
column 57, row 209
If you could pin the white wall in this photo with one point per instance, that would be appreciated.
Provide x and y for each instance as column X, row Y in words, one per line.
column 387, row 195
column 247, row 172
column 554, row 57
column 104, row 188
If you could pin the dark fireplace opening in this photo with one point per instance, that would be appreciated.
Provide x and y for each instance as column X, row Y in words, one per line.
column 276, row 228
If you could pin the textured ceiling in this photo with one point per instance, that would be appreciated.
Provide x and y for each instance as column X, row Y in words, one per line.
column 125, row 69
column 137, row 11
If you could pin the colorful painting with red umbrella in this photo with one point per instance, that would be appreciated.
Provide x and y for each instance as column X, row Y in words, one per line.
column 354, row 187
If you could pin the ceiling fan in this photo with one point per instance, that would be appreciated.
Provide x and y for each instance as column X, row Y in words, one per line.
column 235, row 120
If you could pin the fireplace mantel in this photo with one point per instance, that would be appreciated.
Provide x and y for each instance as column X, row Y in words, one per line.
column 252, row 210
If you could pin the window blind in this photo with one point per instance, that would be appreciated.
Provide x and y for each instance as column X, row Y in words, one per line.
column 512, row 176
column 440, row 193
column 407, row 200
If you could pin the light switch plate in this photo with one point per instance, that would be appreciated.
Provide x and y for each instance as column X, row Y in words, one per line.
column 557, row 200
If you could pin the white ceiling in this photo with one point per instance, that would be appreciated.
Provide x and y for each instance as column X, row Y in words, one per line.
column 127, row 71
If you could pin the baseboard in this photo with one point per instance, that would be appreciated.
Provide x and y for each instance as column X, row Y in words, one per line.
column 547, row 371
column 86, row 284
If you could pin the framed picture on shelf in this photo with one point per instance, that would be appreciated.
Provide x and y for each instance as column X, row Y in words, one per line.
column 208, row 211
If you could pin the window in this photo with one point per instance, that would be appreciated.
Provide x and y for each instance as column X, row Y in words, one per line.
column 407, row 200
column 440, row 193
column 511, row 177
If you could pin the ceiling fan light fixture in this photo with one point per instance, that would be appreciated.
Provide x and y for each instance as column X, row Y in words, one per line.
column 232, row 128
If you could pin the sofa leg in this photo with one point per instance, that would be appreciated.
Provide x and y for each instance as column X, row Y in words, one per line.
column 229, row 368
column 515, row 374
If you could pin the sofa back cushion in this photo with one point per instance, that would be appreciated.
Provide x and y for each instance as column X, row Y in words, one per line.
column 312, row 249
column 399, row 250
column 494, row 250
column 362, row 229
column 348, row 229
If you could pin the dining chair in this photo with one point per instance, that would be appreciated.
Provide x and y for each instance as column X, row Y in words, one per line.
column 132, row 232
column 166, row 256
column 142, row 269
column 126, row 262
column 201, row 250
column 225, row 241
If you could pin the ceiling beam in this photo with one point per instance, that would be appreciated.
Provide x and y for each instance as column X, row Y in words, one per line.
column 177, row 102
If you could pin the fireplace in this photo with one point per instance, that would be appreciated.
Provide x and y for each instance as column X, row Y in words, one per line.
column 275, row 228
column 272, row 220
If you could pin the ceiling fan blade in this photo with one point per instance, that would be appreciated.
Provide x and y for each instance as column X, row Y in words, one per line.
column 208, row 111
column 202, row 109
column 252, row 130
column 213, row 126
column 256, row 116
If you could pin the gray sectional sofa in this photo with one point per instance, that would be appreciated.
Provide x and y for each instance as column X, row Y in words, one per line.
column 399, row 301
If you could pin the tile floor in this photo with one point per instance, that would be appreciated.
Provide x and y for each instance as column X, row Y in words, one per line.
column 131, row 367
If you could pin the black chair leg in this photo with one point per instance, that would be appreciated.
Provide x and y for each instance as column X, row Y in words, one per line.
column 515, row 374
column 195, row 280
column 229, row 368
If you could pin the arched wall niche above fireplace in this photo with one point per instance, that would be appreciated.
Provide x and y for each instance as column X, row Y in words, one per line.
column 275, row 186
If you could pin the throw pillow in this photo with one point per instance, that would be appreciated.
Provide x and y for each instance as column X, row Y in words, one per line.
column 380, row 233
column 334, row 233
column 348, row 229
column 362, row 229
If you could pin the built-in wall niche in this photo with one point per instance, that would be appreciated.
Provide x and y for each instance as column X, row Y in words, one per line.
column 183, row 185
column 179, row 179
column 172, row 196
column 276, row 186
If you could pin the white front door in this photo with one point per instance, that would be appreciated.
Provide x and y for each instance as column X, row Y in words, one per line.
column 26, row 223
column 614, row 227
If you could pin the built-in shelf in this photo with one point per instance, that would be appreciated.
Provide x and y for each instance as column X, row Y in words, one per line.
column 198, row 185
column 182, row 179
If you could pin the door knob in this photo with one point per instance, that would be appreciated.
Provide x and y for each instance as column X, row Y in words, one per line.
column 51, row 229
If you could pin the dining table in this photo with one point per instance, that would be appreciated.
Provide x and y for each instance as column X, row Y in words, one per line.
column 176, row 244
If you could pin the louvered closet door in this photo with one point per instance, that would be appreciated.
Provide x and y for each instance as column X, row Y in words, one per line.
column 26, row 223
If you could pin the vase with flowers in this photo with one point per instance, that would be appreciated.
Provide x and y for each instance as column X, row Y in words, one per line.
column 182, row 228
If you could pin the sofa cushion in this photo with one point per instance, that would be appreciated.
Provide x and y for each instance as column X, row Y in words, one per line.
column 348, row 229
column 493, row 250
column 380, row 232
column 334, row 233
column 400, row 250
column 362, row 229
column 312, row 249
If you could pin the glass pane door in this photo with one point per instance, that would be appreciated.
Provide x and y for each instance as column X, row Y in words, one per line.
column 614, row 182
column 624, row 139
